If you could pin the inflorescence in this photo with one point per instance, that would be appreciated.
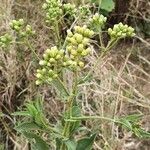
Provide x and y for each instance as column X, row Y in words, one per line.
column 21, row 29
column 97, row 22
column 54, row 59
column 121, row 31
column 5, row 40
column 53, row 10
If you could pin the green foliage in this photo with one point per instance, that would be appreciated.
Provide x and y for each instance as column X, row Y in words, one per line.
column 37, row 143
column 131, row 123
column 86, row 143
column 107, row 5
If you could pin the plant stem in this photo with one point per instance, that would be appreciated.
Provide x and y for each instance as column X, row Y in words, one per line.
column 90, row 117
column 57, row 34
column 70, row 102
column 32, row 49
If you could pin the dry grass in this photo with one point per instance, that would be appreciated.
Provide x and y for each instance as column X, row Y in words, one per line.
column 120, row 86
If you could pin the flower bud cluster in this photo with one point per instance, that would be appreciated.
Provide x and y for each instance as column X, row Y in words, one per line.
column 53, row 10
column 70, row 9
column 84, row 11
column 78, row 45
column 5, row 40
column 21, row 29
column 121, row 31
column 54, row 60
column 51, row 65
column 97, row 21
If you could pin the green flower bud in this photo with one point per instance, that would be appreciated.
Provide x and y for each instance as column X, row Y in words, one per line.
column 78, row 37
column 49, row 79
column 84, row 53
column 38, row 82
column 3, row 39
column 69, row 48
column 72, row 56
column 55, row 75
column 23, row 34
column 47, row 52
column 64, row 64
column 38, row 70
column 85, row 41
column 80, row 48
column 81, row 64
column 73, row 64
column 42, row 62
column 109, row 31
column 73, row 41
column 130, row 29
column 79, row 29
column 52, row 60
column 44, row 70
column 38, row 75
column 21, row 22
column 44, row 6
column 28, row 28
column 50, row 72
column 73, row 52
column 49, row 64
column 17, row 28
column 58, row 57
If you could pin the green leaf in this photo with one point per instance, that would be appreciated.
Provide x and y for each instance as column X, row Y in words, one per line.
column 126, row 124
column 86, row 78
column 61, row 89
column 39, row 143
column 31, row 109
column 86, row 143
column 107, row 5
column 27, row 127
column 76, row 111
column 133, row 118
column 58, row 143
column 71, row 144
column 21, row 113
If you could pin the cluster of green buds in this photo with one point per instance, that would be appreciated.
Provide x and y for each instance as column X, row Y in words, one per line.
column 97, row 21
column 5, row 40
column 51, row 65
column 121, row 31
column 21, row 29
column 78, row 45
column 54, row 60
column 53, row 10
column 69, row 9
column 84, row 11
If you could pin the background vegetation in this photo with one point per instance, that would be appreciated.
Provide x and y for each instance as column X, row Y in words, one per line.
column 121, row 84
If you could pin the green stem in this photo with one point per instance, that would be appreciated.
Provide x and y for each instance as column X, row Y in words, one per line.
column 70, row 102
column 90, row 117
column 32, row 49
column 57, row 34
